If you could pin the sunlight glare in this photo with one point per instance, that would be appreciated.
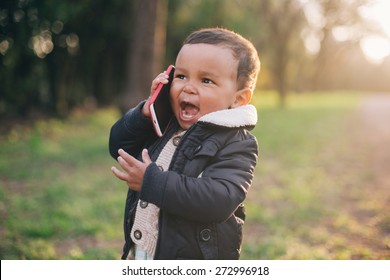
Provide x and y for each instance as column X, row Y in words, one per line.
column 376, row 48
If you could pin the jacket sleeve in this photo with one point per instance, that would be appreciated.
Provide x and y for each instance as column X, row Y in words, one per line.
column 215, row 195
column 130, row 132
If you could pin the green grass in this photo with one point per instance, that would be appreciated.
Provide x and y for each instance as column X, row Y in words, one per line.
column 59, row 200
column 293, row 193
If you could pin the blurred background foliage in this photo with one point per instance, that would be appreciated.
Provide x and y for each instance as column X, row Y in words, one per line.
column 58, row 55
column 321, row 186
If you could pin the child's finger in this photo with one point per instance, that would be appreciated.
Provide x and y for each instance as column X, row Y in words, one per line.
column 127, row 158
column 124, row 164
column 119, row 174
column 145, row 157
column 161, row 78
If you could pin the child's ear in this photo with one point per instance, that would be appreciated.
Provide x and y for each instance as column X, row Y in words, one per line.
column 243, row 97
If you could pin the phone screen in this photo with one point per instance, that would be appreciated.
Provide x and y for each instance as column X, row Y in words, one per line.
column 160, row 106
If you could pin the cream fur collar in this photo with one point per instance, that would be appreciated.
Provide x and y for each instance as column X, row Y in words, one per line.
column 238, row 117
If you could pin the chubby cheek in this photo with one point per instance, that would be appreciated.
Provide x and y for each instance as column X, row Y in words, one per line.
column 175, row 108
column 213, row 104
column 174, row 100
column 175, row 89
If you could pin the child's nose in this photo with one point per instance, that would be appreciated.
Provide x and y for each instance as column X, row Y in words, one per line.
column 189, row 88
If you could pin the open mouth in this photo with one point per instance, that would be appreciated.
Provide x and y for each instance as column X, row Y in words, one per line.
column 188, row 111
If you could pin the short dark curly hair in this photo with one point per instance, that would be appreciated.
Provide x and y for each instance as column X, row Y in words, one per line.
column 242, row 49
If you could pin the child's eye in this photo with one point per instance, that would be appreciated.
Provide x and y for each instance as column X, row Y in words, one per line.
column 181, row 77
column 207, row 81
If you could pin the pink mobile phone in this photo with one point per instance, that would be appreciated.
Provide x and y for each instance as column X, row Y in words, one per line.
column 160, row 106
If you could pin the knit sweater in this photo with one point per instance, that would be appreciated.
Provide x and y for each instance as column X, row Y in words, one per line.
column 145, row 229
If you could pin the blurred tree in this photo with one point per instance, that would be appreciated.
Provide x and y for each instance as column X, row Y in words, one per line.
column 187, row 16
column 58, row 54
column 339, row 27
column 282, row 21
column 18, row 67
column 55, row 55
column 146, row 50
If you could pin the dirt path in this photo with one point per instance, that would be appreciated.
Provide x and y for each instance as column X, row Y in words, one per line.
column 363, row 163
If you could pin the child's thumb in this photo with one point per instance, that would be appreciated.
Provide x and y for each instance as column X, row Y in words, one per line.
column 145, row 157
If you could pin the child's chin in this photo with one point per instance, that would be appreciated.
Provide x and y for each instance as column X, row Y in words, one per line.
column 185, row 125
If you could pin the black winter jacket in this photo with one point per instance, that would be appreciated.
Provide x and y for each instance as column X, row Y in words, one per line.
column 201, row 196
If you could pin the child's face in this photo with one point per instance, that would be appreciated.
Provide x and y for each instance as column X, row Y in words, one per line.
column 205, row 81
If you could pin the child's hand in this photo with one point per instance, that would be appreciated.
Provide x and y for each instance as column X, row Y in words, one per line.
column 133, row 169
column 161, row 78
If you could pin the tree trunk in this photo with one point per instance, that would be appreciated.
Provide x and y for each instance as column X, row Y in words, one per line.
column 147, row 45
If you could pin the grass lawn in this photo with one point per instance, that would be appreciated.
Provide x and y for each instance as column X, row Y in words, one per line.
column 308, row 167
column 59, row 200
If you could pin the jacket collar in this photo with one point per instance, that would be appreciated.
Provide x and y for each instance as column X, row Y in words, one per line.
column 242, row 116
